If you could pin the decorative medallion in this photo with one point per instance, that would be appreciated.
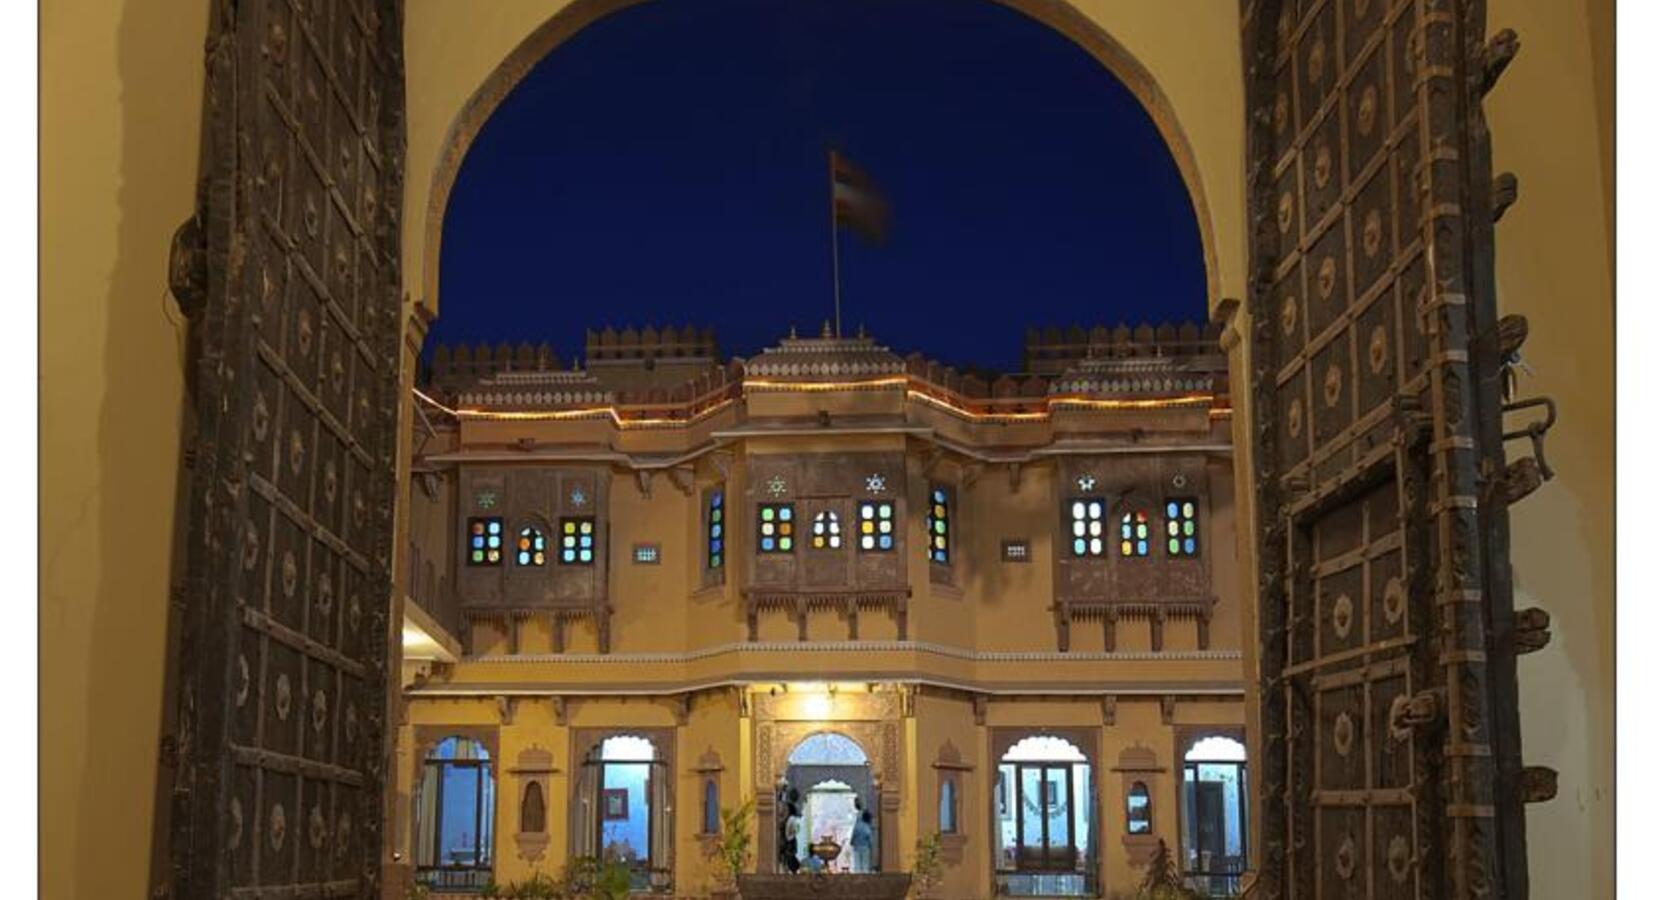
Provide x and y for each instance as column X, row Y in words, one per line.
column 1283, row 110
column 324, row 593
column 1343, row 616
column 289, row 574
column 295, row 452
column 318, row 710
column 1283, row 25
column 306, row 332
column 1327, row 277
column 1372, row 233
column 330, row 481
column 1179, row 480
column 358, row 508
column 1086, row 482
column 284, row 696
column 261, row 417
column 353, row 616
column 875, row 483
column 1289, row 316
column 1366, row 110
column 1400, row 858
column 1323, row 166
column 1395, row 600
column 342, row 842
column 350, row 724
column 250, row 547
column 578, row 498
column 236, row 824
column 1345, row 860
column 1317, row 59
column 487, row 499
column 1343, row 734
column 318, row 827
column 1361, row 7
column 777, row 486
column 1332, row 387
column 1378, row 350
column 1283, row 212
column 244, row 677
column 1295, row 417
column 278, row 827
column 337, row 374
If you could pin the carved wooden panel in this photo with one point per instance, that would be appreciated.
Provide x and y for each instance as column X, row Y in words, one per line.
column 281, row 724
column 1389, row 745
column 1130, row 484
column 537, row 497
column 842, row 483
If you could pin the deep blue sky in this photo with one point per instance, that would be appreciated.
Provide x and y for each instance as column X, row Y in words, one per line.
column 668, row 165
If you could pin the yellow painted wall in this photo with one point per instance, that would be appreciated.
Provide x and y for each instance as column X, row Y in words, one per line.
column 120, row 113
column 1554, row 253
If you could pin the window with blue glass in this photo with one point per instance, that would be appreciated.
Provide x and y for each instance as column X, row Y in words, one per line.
column 579, row 541
column 1180, row 527
column 715, row 530
column 877, row 525
column 487, row 536
column 1085, row 527
column 1134, row 534
column 938, row 524
column 775, row 528
column 531, row 546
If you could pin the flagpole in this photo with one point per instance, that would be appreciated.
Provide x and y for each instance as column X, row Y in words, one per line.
column 832, row 206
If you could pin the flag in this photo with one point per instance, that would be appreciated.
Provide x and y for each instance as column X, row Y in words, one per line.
column 857, row 203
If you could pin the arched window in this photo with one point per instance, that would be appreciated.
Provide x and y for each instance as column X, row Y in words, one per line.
column 947, row 817
column 824, row 531
column 715, row 529
column 1043, row 818
column 1139, row 814
column 1134, row 534
column 710, row 822
column 1180, row 527
column 533, row 819
column 937, row 523
column 454, row 816
column 531, row 546
column 1214, row 814
column 622, row 792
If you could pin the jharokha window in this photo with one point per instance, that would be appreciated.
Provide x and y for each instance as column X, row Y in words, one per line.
column 938, row 522
column 579, row 541
column 824, row 531
column 715, row 530
column 775, row 528
column 1134, row 534
column 531, row 546
column 1180, row 527
column 487, row 541
column 1085, row 526
column 877, row 524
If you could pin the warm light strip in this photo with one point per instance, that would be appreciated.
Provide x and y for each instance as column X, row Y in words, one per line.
column 559, row 415
column 817, row 386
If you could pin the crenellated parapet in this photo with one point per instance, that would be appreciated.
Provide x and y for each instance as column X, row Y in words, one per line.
column 1051, row 350
column 671, row 343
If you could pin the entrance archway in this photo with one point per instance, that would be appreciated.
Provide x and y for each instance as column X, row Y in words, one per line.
column 830, row 784
column 1044, row 818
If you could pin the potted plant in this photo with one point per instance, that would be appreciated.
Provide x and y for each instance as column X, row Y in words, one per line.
column 1162, row 881
column 729, row 850
column 927, row 866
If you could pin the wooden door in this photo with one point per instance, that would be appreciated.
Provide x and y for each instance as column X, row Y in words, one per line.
column 281, row 709
column 1390, row 756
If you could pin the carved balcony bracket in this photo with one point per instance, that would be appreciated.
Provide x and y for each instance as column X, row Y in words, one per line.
column 1111, row 705
column 1538, row 784
column 1501, row 50
column 507, row 708
column 187, row 267
column 1505, row 193
column 1533, row 629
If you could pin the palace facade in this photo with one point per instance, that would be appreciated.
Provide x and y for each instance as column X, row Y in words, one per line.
column 832, row 581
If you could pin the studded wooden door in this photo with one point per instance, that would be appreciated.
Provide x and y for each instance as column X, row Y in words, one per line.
column 1390, row 763
column 278, row 790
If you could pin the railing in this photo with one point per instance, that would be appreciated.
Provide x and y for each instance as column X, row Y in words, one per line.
column 447, row 879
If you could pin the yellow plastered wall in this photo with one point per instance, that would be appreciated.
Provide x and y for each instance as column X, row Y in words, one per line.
column 1554, row 257
column 120, row 123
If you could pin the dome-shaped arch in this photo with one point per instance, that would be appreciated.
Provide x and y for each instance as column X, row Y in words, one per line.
column 827, row 748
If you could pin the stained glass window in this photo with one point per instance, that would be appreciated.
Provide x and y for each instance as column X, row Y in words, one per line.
column 876, row 521
column 579, row 541
column 531, row 546
column 824, row 531
column 1180, row 527
column 775, row 528
column 1085, row 525
column 487, row 536
column 715, row 530
column 1139, row 817
column 1134, row 534
column 938, row 524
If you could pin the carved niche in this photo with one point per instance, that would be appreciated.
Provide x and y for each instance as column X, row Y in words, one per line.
column 1140, row 771
column 533, row 772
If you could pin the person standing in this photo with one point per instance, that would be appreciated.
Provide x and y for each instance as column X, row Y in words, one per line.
column 794, row 824
column 861, row 844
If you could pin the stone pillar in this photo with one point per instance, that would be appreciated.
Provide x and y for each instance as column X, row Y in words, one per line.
column 890, row 845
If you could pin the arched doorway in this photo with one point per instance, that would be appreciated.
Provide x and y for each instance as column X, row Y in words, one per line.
column 1044, row 812
column 622, row 808
column 830, row 782
column 1213, row 806
column 454, row 816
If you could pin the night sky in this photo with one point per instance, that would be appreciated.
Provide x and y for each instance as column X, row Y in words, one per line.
column 667, row 165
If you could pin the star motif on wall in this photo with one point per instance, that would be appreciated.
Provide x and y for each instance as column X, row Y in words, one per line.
column 578, row 497
column 487, row 499
column 777, row 485
column 875, row 484
column 1086, row 482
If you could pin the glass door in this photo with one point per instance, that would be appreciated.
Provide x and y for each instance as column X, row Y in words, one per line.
column 1045, row 816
